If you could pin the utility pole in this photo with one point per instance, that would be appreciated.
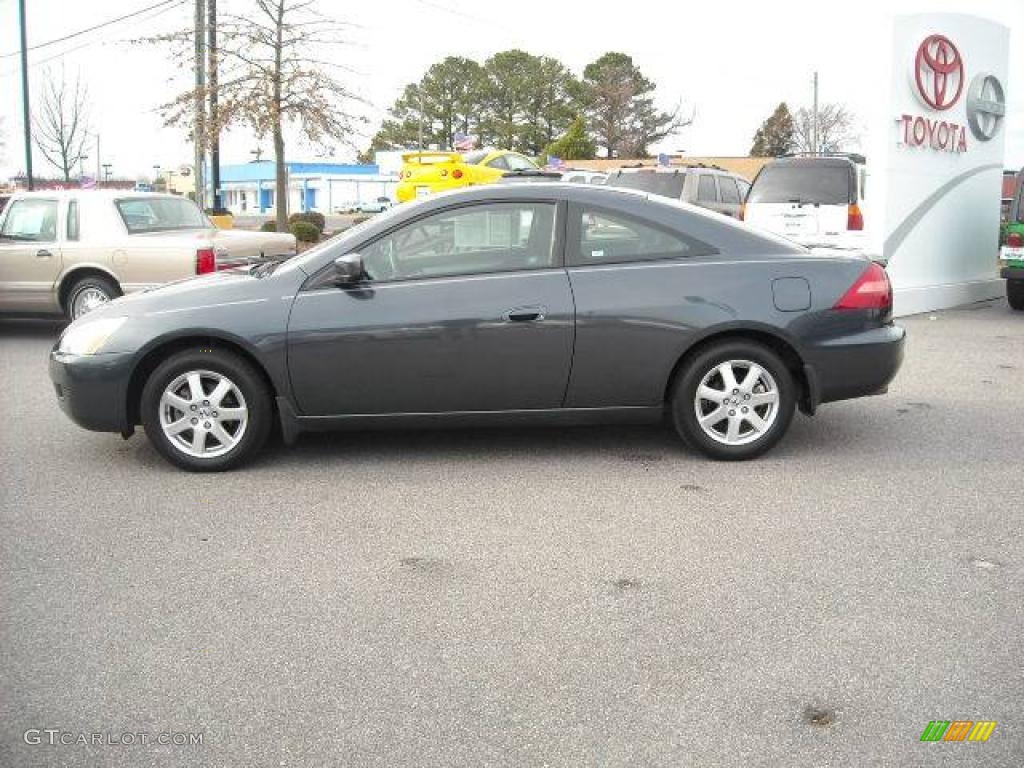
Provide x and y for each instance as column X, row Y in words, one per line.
column 25, row 115
column 211, row 22
column 814, row 122
column 200, row 105
column 98, row 176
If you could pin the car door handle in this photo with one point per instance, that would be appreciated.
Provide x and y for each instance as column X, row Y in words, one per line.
column 524, row 315
column 44, row 254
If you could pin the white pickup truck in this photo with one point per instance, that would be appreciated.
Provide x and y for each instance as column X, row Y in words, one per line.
column 69, row 251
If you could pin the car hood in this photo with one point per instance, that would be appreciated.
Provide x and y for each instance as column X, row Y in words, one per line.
column 232, row 287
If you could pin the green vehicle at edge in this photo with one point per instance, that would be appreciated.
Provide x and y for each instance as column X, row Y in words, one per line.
column 1011, row 251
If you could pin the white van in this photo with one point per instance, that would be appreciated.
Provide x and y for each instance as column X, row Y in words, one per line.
column 814, row 200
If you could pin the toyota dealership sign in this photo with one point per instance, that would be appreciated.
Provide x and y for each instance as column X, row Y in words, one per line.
column 935, row 159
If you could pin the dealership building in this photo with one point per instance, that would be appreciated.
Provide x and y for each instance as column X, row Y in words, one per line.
column 249, row 188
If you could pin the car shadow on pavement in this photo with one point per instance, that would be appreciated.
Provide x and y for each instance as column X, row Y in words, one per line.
column 840, row 434
column 32, row 327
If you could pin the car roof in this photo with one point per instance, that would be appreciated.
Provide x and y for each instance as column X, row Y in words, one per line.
column 108, row 194
column 835, row 161
column 676, row 170
column 539, row 189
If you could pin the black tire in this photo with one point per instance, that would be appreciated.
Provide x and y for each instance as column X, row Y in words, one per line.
column 1015, row 294
column 684, row 400
column 241, row 374
column 104, row 285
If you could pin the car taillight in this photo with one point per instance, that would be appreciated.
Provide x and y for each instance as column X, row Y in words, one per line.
column 871, row 291
column 206, row 261
column 854, row 218
column 457, row 173
column 1015, row 240
column 743, row 211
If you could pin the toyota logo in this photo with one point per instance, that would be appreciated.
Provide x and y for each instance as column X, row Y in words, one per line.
column 939, row 72
column 986, row 105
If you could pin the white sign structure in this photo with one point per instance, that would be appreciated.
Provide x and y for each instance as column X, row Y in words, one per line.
column 935, row 155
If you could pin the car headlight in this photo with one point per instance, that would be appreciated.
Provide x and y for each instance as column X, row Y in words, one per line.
column 89, row 336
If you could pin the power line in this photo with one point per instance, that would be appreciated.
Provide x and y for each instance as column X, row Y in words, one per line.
column 92, row 28
column 89, row 43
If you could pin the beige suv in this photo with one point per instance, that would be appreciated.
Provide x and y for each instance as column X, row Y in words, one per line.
column 70, row 251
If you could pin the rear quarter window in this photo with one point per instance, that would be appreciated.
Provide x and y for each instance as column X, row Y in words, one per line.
column 821, row 184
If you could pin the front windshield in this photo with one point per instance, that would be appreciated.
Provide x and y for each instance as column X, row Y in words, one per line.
column 160, row 214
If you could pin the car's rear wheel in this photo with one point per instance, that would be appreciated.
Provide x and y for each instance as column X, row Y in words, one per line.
column 1015, row 293
column 734, row 400
column 206, row 410
column 89, row 293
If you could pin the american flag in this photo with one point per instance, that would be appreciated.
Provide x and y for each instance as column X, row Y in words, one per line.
column 463, row 142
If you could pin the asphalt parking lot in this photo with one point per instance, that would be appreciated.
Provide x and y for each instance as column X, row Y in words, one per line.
column 594, row 596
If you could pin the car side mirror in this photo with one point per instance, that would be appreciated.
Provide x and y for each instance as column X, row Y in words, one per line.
column 348, row 269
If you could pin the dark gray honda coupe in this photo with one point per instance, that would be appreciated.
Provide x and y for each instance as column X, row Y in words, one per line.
column 528, row 303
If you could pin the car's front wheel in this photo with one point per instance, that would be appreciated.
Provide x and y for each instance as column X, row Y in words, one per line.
column 1015, row 293
column 206, row 410
column 734, row 400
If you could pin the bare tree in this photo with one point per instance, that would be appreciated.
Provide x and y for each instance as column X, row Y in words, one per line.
column 836, row 129
column 271, row 75
column 60, row 123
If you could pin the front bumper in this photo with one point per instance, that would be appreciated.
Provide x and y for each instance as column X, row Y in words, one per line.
column 92, row 389
column 855, row 365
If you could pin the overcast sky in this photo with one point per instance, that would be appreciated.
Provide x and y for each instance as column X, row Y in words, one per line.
column 731, row 61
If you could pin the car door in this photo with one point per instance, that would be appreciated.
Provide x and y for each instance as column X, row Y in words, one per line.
column 30, row 255
column 465, row 309
column 637, row 300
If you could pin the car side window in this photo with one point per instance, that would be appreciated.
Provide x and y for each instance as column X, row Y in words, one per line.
column 706, row 189
column 744, row 188
column 72, row 225
column 499, row 162
column 728, row 190
column 31, row 220
column 609, row 238
column 475, row 239
column 519, row 163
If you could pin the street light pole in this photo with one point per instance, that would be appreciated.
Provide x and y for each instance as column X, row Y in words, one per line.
column 25, row 114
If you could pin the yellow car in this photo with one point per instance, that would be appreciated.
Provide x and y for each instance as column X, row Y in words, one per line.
column 426, row 172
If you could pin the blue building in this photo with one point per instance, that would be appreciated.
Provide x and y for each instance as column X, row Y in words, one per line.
column 324, row 187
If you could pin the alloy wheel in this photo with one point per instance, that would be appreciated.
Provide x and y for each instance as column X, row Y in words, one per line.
column 203, row 414
column 736, row 402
